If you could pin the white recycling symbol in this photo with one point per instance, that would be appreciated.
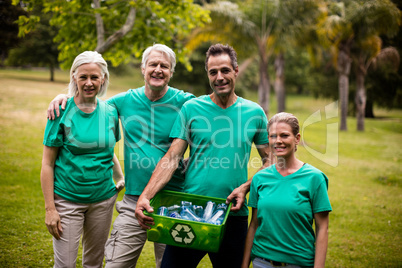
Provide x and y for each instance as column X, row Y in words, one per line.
column 182, row 234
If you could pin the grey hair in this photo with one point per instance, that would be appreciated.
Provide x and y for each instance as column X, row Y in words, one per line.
column 163, row 49
column 84, row 58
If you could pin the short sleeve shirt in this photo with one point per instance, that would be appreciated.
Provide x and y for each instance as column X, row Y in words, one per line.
column 285, row 212
column 146, row 127
column 220, row 142
column 83, row 167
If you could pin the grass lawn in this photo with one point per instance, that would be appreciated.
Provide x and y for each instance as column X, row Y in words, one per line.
column 364, row 171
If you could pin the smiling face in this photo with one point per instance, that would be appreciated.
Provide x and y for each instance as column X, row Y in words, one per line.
column 282, row 141
column 88, row 78
column 157, row 71
column 221, row 75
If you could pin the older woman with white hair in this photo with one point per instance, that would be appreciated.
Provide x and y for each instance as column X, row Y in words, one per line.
column 79, row 165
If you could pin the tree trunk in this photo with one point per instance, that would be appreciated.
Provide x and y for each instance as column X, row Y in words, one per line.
column 51, row 67
column 280, row 82
column 360, row 97
column 100, row 29
column 343, row 67
column 102, row 45
column 369, row 109
column 264, row 86
column 243, row 67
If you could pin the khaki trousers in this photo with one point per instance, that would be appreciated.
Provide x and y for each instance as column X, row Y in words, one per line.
column 127, row 238
column 92, row 221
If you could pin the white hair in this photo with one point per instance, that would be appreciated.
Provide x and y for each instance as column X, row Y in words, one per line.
column 89, row 57
column 163, row 49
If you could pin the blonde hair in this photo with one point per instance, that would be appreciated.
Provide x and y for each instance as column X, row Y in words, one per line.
column 287, row 118
column 89, row 57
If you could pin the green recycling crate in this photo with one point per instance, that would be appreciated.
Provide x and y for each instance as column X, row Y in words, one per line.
column 185, row 233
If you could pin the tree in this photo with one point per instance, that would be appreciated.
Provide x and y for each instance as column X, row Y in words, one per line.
column 335, row 33
column 195, row 81
column 384, row 82
column 369, row 21
column 352, row 30
column 118, row 29
column 257, row 29
column 236, row 29
column 384, row 77
column 37, row 47
column 293, row 20
column 9, row 29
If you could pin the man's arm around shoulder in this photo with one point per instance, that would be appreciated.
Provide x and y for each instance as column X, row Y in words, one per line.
column 60, row 99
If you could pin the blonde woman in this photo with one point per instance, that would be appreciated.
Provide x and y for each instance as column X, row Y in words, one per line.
column 286, row 198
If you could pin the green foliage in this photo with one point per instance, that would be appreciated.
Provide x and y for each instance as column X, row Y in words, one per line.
column 356, row 24
column 228, row 25
column 166, row 22
column 302, row 78
column 248, row 81
column 37, row 48
column 195, row 81
column 384, row 87
column 9, row 29
column 358, row 28
column 285, row 21
column 259, row 29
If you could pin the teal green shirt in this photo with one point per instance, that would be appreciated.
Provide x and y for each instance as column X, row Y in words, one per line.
column 146, row 127
column 286, row 207
column 83, row 167
column 220, row 143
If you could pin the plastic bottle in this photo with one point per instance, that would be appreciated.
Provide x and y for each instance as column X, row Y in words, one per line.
column 219, row 215
column 163, row 211
column 173, row 208
column 175, row 214
column 188, row 214
column 198, row 210
column 209, row 208
column 186, row 203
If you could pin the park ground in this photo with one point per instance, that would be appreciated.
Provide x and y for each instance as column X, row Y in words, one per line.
column 364, row 171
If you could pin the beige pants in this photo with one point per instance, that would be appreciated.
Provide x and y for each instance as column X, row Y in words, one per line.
column 127, row 238
column 92, row 221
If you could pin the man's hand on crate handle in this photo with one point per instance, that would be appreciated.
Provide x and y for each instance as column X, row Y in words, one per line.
column 238, row 196
column 160, row 177
column 142, row 205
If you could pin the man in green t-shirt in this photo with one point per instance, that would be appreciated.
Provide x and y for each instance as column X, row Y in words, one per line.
column 219, row 129
column 147, row 115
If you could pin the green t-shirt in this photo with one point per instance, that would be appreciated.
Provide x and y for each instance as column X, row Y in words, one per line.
column 286, row 207
column 220, row 142
column 83, row 168
column 146, row 127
